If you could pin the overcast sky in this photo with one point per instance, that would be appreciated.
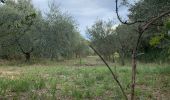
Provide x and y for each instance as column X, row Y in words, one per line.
column 85, row 12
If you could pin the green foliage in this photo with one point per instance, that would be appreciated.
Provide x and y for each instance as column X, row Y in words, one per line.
column 25, row 31
column 154, row 37
column 102, row 35
column 108, row 40
column 18, row 35
column 146, row 9
column 168, row 24
column 156, row 40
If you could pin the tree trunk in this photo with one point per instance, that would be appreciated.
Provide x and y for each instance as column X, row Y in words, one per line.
column 113, row 60
column 76, row 55
column 122, row 55
column 27, row 57
column 109, row 57
column 52, row 57
column 133, row 74
column 122, row 61
column 80, row 60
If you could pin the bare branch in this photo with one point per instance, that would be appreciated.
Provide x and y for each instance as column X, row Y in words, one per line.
column 114, row 76
column 125, row 22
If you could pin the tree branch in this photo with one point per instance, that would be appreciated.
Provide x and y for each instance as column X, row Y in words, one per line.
column 114, row 76
column 145, row 26
column 125, row 22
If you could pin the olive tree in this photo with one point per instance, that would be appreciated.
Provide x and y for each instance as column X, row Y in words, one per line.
column 101, row 36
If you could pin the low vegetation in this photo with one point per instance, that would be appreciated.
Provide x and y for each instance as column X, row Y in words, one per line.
column 91, row 80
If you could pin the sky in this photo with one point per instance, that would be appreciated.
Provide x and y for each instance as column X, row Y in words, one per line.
column 85, row 12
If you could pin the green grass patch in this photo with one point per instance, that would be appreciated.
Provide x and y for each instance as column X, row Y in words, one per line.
column 61, row 81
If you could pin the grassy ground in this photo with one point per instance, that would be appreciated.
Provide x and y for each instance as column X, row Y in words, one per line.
column 68, row 80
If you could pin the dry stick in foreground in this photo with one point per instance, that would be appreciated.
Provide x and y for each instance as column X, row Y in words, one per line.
column 114, row 76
